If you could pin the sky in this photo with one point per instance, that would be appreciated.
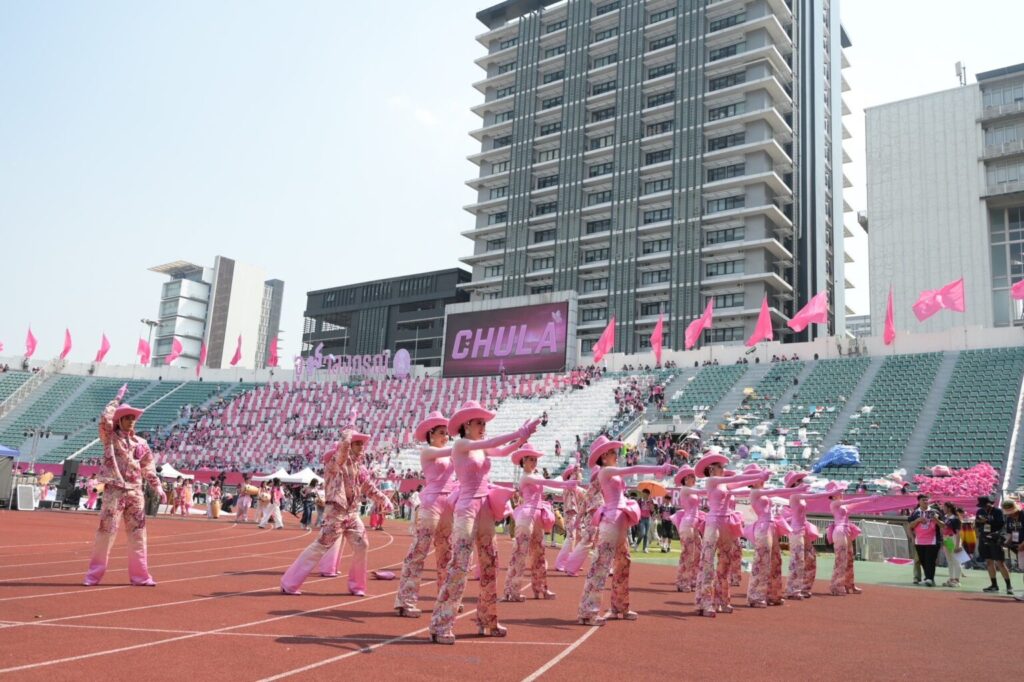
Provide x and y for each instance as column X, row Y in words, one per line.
column 324, row 142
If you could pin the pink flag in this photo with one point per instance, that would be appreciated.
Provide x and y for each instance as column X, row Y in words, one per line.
column 1017, row 290
column 202, row 359
column 657, row 338
column 272, row 361
column 104, row 348
column 697, row 327
column 930, row 301
column 1, row 346
column 175, row 351
column 143, row 351
column 605, row 342
column 67, row 344
column 30, row 343
column 237, row 357
column 763, row 329
column 890, row 326
column 815, row 311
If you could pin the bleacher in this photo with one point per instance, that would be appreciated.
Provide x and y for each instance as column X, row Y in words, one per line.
column 56, row 391
column 705, row 390
column 817, row 402
column 757, row 409
column 10, row 382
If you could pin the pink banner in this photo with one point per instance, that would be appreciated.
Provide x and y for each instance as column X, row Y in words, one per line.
column 104, row 349
column 697, row 327
column 30, row 343
column 237, row 357
column 931, row 301
column 763, row 329
column 1017, row 290
column 890, row 325
column 815, row 312
column 605, row 342
column 67, row 344
column 658, row 338
column 202, row 359
column 143, row 351
column 175, row 353
column 273, row 359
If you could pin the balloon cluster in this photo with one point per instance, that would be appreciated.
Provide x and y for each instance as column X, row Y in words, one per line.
column 980, row 479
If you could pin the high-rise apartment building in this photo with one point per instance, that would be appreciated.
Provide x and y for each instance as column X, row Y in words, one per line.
column 655, row 154
column 945, row 181
column 215, row 306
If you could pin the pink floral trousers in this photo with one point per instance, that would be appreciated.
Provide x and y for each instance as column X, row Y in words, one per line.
column 433, row 524
column 612, row 550
column 118, row 503
column 842, row 571
column 735, row 563
column 689, row 559
column 803, row 565
column 527, row 550
column 766, row 573
column 713, row 588
column 473, row 525
column 325, row 553
column 572, row 536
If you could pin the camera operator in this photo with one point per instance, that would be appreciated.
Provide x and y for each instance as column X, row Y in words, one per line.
column 988, row 523
column 1013, row 533
column 926, row 525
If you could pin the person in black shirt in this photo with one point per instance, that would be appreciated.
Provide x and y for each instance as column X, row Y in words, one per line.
column 988, row 524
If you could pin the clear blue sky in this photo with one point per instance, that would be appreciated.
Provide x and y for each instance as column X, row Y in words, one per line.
column 323, row 141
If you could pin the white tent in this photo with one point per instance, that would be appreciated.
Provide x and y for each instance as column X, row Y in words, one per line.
column 303, row 477
column 168, row 471
column 279, row 474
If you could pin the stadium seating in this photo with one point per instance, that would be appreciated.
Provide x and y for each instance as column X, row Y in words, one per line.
column 705, row 390
column 758, row 407
column 817, row 402
column 55, row 392
column 10, row 382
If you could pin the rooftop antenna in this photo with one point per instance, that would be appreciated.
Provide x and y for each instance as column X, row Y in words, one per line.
column 961, row 73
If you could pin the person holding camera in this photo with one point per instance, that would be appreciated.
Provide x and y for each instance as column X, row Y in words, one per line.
column 989, row 522
column 927, row 528
column 1013, row 533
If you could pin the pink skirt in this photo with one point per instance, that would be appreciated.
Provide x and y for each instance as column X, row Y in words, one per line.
column 629, row 508
column 851, row 529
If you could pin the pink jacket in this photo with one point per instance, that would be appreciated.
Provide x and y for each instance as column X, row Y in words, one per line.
column 127, row 459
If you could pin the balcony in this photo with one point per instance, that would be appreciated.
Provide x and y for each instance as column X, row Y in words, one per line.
column 783, row 225
column 485, row 258
column 492, row 130
column 485, row 204
column 769, row 23
column 771, row 146
column 768, row 278
column 731, row 250
column 1003, row 189
column 485, row 231
column 772, row 179
column 493, row 180
column 1002, row 111
column 721, row 7
column 768, row 53
column 771, row 114
column 782, row 99
column 999, row 151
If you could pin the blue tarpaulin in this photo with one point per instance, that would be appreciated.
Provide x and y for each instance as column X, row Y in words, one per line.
column 838, row 456
column 8, row 452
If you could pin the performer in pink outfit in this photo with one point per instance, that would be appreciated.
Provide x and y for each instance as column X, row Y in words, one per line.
column 127, row 460
column 720, row 531
column 614, row 517
column 94, row 493
column 735, row 548
column 686, row 523
column 842, row 533
column 186, row 498
column 803, row 561
column 573, row 503
column 587, row 534
column 475, row 512
column 436, row 512
column 244, row 502
column 213, row 497
column 534, row 517
column 345, row 481
column 765, row 588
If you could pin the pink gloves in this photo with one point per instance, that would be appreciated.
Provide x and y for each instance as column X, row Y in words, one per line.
column 527, row 429
column 121, row 391
column 668, row 470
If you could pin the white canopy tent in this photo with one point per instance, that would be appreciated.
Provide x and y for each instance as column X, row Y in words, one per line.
column 303, row 477
column 168, row 471
column 279, row 474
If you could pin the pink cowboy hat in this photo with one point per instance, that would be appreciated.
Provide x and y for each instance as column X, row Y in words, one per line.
column 792, row 478
column 470, row 409
column 712, row 457
column 683, row 472
column 600, row 446
column 569, row 472
column 433, row 420
column 526, row 450
column 355, row 436
column 126, row 410
column 752, row 469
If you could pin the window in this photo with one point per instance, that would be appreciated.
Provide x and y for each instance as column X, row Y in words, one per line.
column 546, row 289
column 724, row 172
column 659, row 127
column 1004, row 134
column 551, row 28
column 662, row 98
column 489, row 295
column 723, row 52
column 657, row 157
column 726, row 141
column 497, row 218
column 599, row 142
column 542, row 263
column 548, row 154
column 554, row 76
column 657, row 215
column 547, row 181
column 606, row 8
column 727, row 300
column 722, row 334
column 505, row 44
column 595, row 226
column 606, row 34
column 661, row 70
column 503, row 141
column 655, row 246
column 602, row 114
column 544, row 236
column 730, row 267
column 654, row 277
column 594, row 255
column 1008, row 94
column 599, row 284
column 554, row 51
column 495, row 244
column 549, row 128
column 504, row 92
column 655, row 308
column 494, row 270
column 725, row 111
column 603, row 87
column 662, row 42
column 499, row 167
column 599, row 197
column 504, row 116
column 599, row 169
column 551, row 102
column 719, row 24
column 725, row 204
column 661, row 185
column 593, row 314
column 662, row 15
column 731, row 234
column 505, row 68
column 605, row 60
column 727, row 81
column 499, row 192
column 544, row 209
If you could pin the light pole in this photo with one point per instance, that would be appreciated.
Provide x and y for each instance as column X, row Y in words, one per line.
column 35, row 433
column 151, row 324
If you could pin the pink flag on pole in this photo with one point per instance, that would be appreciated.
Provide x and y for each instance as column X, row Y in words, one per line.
column 104, row 348
column 273, row 359
column 658, row 338
column 176, row 350
column 237, row 357
column 763, row 329
column 30, row 343
column 697, row 327
column 1017, row 290
column 605, row 342
column 67, row 344
column 202, row 359
column 143, row 351
column 890, row 326
column 815, row 311
column 931, row 301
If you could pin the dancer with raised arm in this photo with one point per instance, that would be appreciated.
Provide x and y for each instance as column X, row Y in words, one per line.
column 433, row 522
column 842, row 533
column 587, row 534
column 475, row 512
column 127, row 460
column 346, row 482
column 765, row 588
column 687, row 523
column 573, row 506
column 803, row 559
column 614, row 518
column 534, row 517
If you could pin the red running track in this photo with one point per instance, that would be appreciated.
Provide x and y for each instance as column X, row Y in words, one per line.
column 217, row 611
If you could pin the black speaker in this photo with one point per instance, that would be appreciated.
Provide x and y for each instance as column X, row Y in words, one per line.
column 69, row 475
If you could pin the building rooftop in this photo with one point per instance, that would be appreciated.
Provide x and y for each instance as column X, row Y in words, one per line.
column 466, row 273
column 178, row 268
column 499, row 14
column 999, row 73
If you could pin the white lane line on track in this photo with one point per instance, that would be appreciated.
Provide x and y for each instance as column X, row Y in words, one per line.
column 89, row 542
column 554, row 661
column 186, row 601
